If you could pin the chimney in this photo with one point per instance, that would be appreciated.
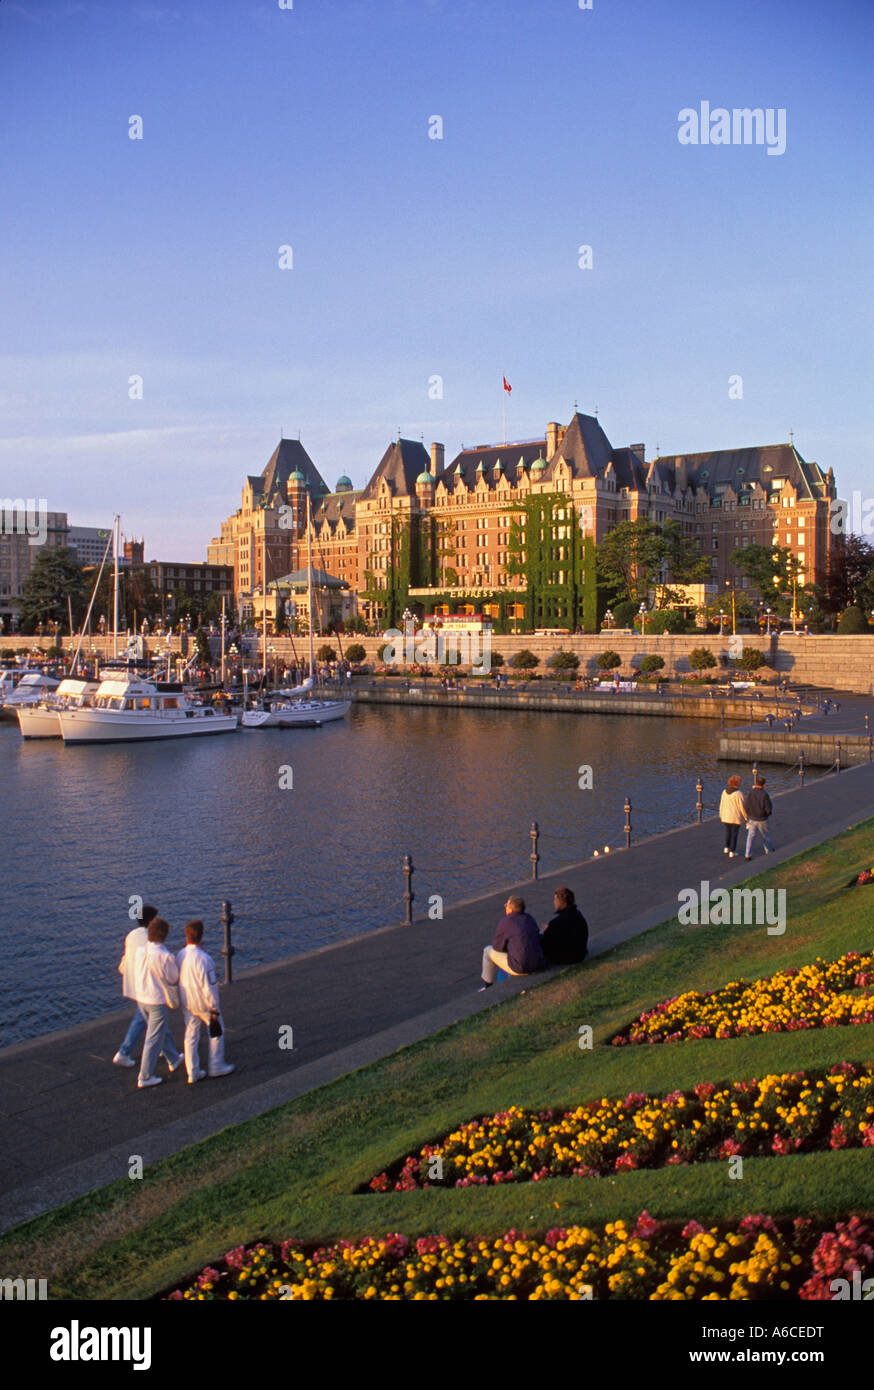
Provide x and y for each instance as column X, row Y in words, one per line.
column 437, row 453
column 639, row 451
column 551, row 439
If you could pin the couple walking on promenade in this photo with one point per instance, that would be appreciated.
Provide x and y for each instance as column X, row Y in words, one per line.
column 158, row 982
column 755, row 808
column 519, row 947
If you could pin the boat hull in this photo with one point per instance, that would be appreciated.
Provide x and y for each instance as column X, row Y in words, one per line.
column 37, row 722
column 306, row 714
column 110, row 726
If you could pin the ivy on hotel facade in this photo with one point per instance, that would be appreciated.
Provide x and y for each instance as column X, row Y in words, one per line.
column 510, row 529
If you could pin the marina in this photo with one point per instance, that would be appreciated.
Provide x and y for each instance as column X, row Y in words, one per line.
column 185, row 823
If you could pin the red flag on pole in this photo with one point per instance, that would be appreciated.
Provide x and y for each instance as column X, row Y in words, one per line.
column 507, row 387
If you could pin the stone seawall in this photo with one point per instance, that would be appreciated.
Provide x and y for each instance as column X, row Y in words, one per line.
column 828, row 662
column 820, row 750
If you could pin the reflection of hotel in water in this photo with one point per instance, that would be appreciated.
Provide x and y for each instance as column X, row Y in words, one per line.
column 725, row 499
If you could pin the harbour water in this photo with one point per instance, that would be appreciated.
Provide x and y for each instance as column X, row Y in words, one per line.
column 190, row 822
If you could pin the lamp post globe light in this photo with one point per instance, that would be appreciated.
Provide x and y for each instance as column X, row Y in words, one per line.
column 642, row 615
column 608, row 618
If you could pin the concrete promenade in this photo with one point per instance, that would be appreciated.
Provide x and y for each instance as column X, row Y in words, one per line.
column 70, row 1120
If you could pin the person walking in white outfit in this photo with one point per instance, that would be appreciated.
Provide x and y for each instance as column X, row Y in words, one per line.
column 138, row 936
column 200, row 1004
column 157, row 977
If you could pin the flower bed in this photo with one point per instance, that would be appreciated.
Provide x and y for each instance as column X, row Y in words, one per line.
column 812, row 996
column 785, row 1114
column 752, row 1259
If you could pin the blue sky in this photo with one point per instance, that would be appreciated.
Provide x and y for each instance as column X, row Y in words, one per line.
column 414, row 257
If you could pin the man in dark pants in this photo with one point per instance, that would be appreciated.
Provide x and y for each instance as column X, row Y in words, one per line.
column 515, row 947
column 758, row 809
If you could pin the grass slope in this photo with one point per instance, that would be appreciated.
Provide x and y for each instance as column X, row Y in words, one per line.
column 294, row 1171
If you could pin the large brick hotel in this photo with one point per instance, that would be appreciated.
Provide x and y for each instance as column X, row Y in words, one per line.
column 726, row 499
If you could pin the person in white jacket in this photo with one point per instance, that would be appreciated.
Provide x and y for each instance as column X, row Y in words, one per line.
column 200, row 1004
column 138, row 936
column 732, row 813
column 156, row 977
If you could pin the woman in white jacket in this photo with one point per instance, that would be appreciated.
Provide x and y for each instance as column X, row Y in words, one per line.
column 732, row 813
column 200, row 1004
column 156, row 980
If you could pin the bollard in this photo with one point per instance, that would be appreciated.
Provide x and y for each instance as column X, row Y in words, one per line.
column 838, row 757
column 699, row 805
column 535, row 857
column 228, row 952
column 801, row 767
column 755, row 771
column 627, row 823
column 409, row 895
column 867, row 724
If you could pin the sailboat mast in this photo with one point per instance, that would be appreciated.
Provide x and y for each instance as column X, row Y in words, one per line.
column 264, row 598
column 115, row 590
column 310, row 585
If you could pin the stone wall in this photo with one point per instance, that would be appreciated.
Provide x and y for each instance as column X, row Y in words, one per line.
column 827, row 662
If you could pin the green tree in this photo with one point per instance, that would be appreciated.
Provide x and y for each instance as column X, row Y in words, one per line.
column 652, row 663
column 701, row 659
column 750, row 659
column 355, row 653
column 204, row 650
column 564, row 661
column 524, row 660
column 666, row 620
column 326, row 653
column 852, row 621
column 630, row 558
column 56, row 576
column 625, row 612
column 608, row 661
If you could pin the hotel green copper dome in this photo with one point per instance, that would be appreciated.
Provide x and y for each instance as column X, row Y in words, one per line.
column 296, row 477
column 538, row 465
column 344, row 484
column 425, row 477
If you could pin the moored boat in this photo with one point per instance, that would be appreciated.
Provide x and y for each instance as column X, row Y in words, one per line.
column 41, row 720
column 133, row 710
column 33, row 687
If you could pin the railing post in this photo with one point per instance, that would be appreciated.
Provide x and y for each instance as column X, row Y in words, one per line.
column 755, row 771
column 535, row 857
column 627, row 823
column 699, row 805
column 801, row 767
column 227, row 949
column 838, row 757
column 409, row 895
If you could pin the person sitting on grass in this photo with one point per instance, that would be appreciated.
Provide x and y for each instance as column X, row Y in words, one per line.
column 565, row 939
column 515, row 947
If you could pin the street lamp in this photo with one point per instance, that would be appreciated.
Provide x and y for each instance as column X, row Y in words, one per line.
column 609, row 619
column 641, row 612
column 729, row 585
column 768, row 622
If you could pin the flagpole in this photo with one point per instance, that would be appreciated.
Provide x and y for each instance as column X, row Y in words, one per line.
column 504, row 408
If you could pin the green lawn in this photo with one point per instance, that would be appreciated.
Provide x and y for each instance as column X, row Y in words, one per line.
column 294, row 1171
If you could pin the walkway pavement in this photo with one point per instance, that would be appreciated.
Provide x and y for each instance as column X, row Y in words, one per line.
column 70, row 1120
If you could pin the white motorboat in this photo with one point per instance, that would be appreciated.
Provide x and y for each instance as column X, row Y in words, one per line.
column 282, row 713
column 129, row 710
column 41, row 720
column 33, row 687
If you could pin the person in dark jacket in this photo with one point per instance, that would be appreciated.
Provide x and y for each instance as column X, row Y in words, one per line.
column 565, row 939
column 515, row 947
column 757, row 804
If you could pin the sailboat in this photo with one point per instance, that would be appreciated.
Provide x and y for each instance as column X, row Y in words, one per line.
column 293, row 708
